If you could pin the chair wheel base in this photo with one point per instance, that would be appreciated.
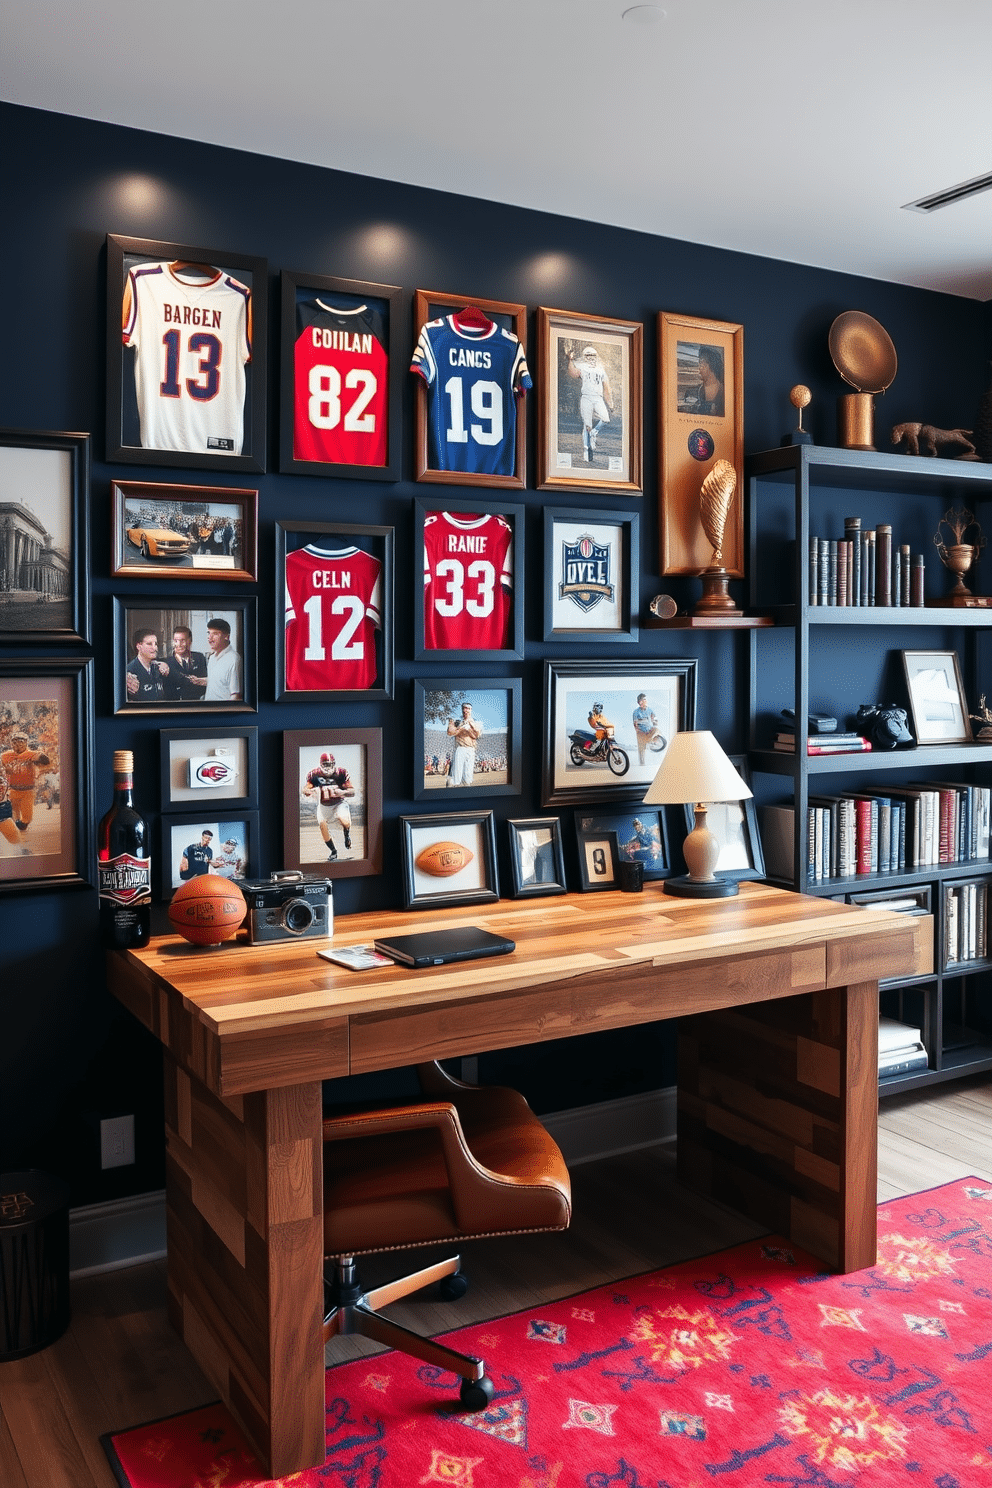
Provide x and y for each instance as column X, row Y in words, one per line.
column 454, row 1286
column 477, row 1395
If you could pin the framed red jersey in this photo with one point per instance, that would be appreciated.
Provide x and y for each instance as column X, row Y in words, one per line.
column 472, row 556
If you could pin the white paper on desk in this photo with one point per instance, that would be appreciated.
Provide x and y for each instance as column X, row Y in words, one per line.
column 357, row 957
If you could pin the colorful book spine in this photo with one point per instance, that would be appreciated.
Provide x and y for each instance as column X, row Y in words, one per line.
column 883, row 563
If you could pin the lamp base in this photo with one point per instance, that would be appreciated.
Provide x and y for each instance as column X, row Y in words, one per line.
column 695, row 888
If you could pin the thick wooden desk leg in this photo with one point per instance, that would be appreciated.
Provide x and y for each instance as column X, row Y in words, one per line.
column 778, row 1117
column 245, row 1239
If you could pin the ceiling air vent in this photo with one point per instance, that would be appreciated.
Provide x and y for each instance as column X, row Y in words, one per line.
column 950, row 195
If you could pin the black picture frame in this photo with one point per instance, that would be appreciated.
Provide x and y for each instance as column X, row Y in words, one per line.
column 649, row 848
column 178, row 831
column 588, row 576
column 300, row 746
column 132, row 536
column 181, row 751
column 378, row 543
column 737, row 829
column 50, row 473
column 599, row 860
column 384, row 300
column 165, row 614
column 475, row 883
column 250, row 272
column 461, row 510
column 429, row 693
column 530, row 861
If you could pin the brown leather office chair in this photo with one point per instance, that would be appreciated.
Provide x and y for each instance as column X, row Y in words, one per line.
column 465, row 1162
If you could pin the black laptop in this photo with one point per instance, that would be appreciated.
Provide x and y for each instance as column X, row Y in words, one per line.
column 438, row 947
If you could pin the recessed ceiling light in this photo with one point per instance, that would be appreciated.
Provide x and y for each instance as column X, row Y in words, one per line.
column 643, row 15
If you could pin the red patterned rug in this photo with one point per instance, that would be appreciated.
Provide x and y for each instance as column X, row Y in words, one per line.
column 751, row 1366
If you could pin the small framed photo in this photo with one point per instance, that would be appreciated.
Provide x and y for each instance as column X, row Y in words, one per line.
column 332, row 801
column 223, row 843
column 473, row 590
column 537, row 863
column 340, row 386
column 47, row 822
column 44, row 537
column 471, row 366
column 334, row 611
column 204, row 766
column 735, row 825
column 701, row 419
column 195, row 532
column 471, row 735
column 937, row 702
column 599, row 863
column 640, row 836
column 449, row 858
column 589, row 435
column 591, row 575
column 172, row 658
column 184, row 384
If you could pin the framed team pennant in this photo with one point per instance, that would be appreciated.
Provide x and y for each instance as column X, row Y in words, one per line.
column 340, row 388
column 590, row 575
column 472, row 555
column 589, row 436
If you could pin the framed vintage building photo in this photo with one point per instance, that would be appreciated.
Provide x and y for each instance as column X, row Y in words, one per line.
column 589, row 434
column 44, row 537
column 641, row 836
column 193, row 532
column 181, row 655
column 591, row 575
column 937, row 704
column 735, row 825
column 472, row 555
column 448, row 859
column 332, row 801
column 537, row 863
column 470, row 734
column 203, row 766
column 222, row 843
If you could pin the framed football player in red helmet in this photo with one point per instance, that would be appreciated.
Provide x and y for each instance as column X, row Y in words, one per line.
column 332, row 801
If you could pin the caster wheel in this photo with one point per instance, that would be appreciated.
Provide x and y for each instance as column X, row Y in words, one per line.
column 477, row 1395
column 454, row 1286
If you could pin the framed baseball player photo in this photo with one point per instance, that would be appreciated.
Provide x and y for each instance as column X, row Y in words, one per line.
column 224, row 844
column 471, row 735
column 591, row 575
column 186, row 350
column 472, row 383
column 449, row 858
column 537, row 863
column 203, row 766
column 44, row 537
column 184, row 655
column 340, row 389
column 473, row 590
column 187, row 532
column 589, row 434
column 334, row 611
column 332, row 801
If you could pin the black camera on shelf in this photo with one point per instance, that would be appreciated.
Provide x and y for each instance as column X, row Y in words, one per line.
column 288, row 906
column 885, row 727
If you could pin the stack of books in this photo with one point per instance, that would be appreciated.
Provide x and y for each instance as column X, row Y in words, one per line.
column 823, row 743
column 864, row 568
column 965, row 923
column 900, row 1048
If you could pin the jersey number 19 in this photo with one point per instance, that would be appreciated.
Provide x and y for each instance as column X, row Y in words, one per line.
column 486, row 400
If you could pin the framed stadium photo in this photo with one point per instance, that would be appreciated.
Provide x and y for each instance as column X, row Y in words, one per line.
column 189, row 532
column 537, row 863
column 735, row 825
column 589, row 435
column 701, row 420
column 203, row 766
column 472, row 383
column 332, row 801
column 186, row 350
column 591, row 575
column 448, row 859
column 44, row 548
column 471, row 735
column 340, row 404
column 641, row 836
column 222, row 843
column 473, row 591
column 184, row 655
column 334, row 611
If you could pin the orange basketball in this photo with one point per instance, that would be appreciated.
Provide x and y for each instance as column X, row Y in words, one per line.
column 207, row 909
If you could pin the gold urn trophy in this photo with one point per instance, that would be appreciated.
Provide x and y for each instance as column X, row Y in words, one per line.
column 959, row 556
column 716, row 497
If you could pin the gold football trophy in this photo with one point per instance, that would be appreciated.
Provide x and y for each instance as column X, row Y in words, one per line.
column 715, row 500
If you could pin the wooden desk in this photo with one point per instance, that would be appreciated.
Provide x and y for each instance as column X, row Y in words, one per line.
column 777, row 1087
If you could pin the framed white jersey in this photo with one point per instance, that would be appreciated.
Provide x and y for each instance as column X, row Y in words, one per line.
column 468, row 582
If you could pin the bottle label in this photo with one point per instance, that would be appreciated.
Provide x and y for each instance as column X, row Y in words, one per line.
column 126, row 880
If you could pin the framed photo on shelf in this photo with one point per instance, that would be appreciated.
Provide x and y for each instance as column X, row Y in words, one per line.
column 334, row 611
column 591, row 575
column 449, row 858
column 471, row 367
column 701, row 419
column 195, row 532
column 639, row 837
column 589, row 434
column 204, row 766
column 608, row 723
column 735, row 825
column 937, row 703
column 340, row 405
column 537, row 863
column 471, row 736
column 47, row 822
column 599, row 863
column 472, row 555
column 222, row 843
column 332, row 801
column 184, row 655
column 186, row 348
column 44, row 537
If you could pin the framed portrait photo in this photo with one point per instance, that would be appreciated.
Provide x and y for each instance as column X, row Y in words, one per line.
column 340, row 385
column 471, row 736
column 701, row 419
column 181, row 655
column 195, row 532
column 223, row 843
column 537, row 863
column 591, row 575
column 203, row 766
column 186, row 347
column 473, row 590
column 640, row 837
column 589, row 434
column 44, row 537
column 334, row 611
column 735, row 825
column 937, row 703
column 332, row 801
column 449, row 858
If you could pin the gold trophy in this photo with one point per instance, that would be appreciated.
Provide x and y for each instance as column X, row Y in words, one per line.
column 959, row 556
column 715, row 500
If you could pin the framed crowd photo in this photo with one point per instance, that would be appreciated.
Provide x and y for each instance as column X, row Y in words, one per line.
column 332, row 801
column 701, row 419
column 471, row 368
column 203, row 766
column 640, row 837
column 197, row 532
column 449, row 858
column 735, row 825
column 591, row 575
column 473, row 590
column 334, row 611
column 44, row 537
column 937, row 704
column 599, row 864
column 589, row 434
column 222, row 843
column 47, row 820
column 471, row 736
column 607, row 725
column 186, row 348
column 170, row 657
column 340, row 391
column 537, row 863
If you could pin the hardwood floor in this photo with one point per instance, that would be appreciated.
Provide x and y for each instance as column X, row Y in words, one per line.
column 120, row 1364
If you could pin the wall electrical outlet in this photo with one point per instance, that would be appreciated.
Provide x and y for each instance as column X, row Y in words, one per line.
column 117, row 1142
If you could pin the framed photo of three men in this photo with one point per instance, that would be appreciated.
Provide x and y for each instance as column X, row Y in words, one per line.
column 184, row 656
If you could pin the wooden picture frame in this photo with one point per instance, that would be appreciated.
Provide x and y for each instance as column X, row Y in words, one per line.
column 467, row 558
column 44, row 537
column 696, row 431
column 230, row 687
column 641, row 836
column 204, row 767
column 937, row 703
column 233, row 846
column 444, row 760
column 599, row 861
column 334, row 417
column 476, row 882
column 591, row 575
column 202, row 363
column 208, row 532
column 605, row 452
column 353, row 823
column 537, row 863
column 735, row 825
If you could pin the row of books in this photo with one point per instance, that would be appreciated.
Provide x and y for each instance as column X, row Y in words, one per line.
column 785, row 743
column 900, row 1048
column 864, row 568
column 965, row 922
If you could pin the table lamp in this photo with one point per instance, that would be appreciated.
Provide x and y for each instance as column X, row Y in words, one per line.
column 695, row 769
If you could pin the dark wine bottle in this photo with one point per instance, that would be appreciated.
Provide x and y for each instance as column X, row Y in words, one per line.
column 124, row 865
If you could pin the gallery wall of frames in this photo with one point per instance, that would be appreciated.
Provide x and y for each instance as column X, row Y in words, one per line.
column 342, row 503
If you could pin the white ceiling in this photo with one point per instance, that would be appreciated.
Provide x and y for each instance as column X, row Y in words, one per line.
column 788, row 130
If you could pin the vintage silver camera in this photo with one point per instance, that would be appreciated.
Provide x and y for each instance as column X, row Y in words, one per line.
column 287, row 906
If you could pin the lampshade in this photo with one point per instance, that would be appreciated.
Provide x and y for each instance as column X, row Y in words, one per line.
column 695, row 768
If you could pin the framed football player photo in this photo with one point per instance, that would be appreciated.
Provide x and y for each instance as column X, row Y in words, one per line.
column 473, row 590
column 537, row 863
column 471, row 734
column 639, row 836
column 223, row 843
column 332, row 801
column 591, row 575
column 472, row 382
column 184, row 655
column 186, row 352
column 340, row 403
column 44, row 537
column 203, row 766
column 334, row 611
column 589, row 436
column 193, row 532
column 449, row 858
